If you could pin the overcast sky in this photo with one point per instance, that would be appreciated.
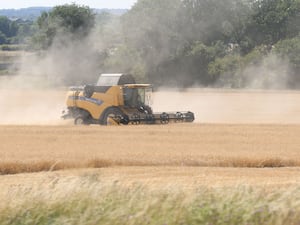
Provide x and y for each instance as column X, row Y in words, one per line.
column 114, row 4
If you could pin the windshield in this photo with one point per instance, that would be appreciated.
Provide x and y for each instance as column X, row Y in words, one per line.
column 135, row 97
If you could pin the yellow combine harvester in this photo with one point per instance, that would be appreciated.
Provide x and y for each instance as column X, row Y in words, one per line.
column 117, row 99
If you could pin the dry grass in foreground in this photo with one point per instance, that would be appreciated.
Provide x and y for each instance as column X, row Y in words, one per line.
column 86, row 200
column 43, row 148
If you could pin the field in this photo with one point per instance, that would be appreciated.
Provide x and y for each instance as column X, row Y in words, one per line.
column 8, row 61
column 239, row 163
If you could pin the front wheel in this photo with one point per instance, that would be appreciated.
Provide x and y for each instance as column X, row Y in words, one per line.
column 80, row 120
column 114, row 114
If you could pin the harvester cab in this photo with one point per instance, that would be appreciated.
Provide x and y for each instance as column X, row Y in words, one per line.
column 117, row 99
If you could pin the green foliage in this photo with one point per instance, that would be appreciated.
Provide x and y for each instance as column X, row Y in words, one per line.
column 14, row 32
column 7, row 29
column 72, row 21
column 193, row 61
column 274, row 20
column 5, row 26
column 208, row 43
column 3, row 39
column 211, row 21
column 290, row 48
column 26, row 30
column 126, row 60
column 228, row 70
column 11, row 47
column 224, row 70
column 177, row 42
column 150, row 28
column 179, row 39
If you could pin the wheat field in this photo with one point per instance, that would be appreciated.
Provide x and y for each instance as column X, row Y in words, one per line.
column 238, row 163
column 171, row 145
column 239, row 129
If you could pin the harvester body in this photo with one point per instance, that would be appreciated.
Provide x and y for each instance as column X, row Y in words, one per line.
column 117, row 99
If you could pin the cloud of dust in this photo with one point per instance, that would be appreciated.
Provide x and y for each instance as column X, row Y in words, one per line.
column 271, row 73
column 230, row 106
column 36, row 95
column 67, row 62
column 31, row 106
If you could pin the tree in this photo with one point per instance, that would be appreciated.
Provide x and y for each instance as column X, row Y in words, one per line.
column 72, row 20
column 150, row 27
column 4, row 29
column 290, row 49
column 78, row 20
column 212, row 20
column 3, row 39
column 190, row 66
column 4, row 25
column 179, row 38
column 26, row 30
column 9, row 30
column 274, row 20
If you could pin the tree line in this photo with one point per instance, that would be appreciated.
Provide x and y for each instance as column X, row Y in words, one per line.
column 183, row 43
column 229, row 43
column 14, row 31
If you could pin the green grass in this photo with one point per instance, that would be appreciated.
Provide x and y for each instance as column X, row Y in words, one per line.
column 11, row 47
column 88, row 201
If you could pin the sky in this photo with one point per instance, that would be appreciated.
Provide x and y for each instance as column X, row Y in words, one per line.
column 112, row 4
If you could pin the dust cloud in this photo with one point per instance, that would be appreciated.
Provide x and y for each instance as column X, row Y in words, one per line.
column 30, row 97
column 67, row 62
column 44, row 106
column 232, row 106
column 31, row 107
column 36, row 95
column 271, row 73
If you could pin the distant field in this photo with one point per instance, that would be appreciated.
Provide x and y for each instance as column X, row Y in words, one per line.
column 10, row 56
column 9, row 61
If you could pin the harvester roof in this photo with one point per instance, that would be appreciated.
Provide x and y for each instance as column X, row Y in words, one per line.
column 113, row 79
column 137, row 85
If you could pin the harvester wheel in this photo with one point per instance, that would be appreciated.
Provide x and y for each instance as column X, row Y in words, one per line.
column 80, row 120
column 114, row 112
column 179, row 117
column 164, row 118
column 136, row 119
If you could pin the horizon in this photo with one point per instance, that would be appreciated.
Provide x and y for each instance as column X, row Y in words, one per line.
column 29, row 7
column 102, row 4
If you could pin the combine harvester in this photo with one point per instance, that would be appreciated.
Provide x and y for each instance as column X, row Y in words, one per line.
column 117, row 99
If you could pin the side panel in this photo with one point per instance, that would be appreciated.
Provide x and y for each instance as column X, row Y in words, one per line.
column 98, row 102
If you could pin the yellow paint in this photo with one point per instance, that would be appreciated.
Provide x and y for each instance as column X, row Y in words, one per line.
column 112, row 97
